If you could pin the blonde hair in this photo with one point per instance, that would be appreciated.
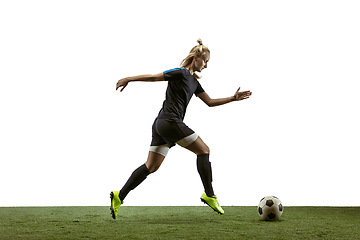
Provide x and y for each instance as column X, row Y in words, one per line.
column 197, row 51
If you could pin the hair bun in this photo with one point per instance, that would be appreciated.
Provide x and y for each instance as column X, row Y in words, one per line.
column 200, row 41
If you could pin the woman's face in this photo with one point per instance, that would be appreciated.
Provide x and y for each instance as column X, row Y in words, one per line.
column 201, row 62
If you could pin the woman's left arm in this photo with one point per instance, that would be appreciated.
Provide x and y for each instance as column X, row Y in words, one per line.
column 221, row 101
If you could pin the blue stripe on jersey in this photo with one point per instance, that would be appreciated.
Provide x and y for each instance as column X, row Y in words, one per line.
column 174, row 69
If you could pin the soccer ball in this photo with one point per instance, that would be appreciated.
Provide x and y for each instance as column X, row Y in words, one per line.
column 270, row 208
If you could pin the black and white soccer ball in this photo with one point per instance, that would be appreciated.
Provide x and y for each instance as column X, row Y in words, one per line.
column 270, row 208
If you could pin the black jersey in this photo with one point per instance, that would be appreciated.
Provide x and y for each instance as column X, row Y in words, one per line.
column 181, row 87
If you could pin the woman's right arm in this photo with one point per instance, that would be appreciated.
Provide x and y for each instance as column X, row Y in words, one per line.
column 145, row 78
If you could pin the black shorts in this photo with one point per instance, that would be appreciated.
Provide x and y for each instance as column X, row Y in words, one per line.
column 169, row 131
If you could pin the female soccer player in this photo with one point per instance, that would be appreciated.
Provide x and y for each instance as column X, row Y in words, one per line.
column 169, row 128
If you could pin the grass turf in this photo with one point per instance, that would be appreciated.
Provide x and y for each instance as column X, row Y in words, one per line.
column 177, row 223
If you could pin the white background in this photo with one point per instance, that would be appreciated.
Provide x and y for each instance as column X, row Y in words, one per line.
column 67, row 138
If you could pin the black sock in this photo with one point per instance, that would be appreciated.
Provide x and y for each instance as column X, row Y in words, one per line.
column 137, row 177
column 204, row 169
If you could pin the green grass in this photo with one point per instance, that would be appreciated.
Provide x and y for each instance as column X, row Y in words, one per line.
column 177, row 223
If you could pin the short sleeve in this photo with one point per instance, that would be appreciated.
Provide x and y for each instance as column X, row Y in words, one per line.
column 199, row 89
column 173, row 74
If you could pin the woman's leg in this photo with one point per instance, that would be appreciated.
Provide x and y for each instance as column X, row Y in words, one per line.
column 138, row 176
column 204, row 168
column 152, row 164
column 203, row 164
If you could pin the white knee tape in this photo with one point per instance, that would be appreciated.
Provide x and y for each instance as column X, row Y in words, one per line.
column 162, row 149
column 186, row 141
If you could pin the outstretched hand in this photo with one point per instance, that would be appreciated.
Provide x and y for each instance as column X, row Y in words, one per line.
column 241, row 95
column 122, row 83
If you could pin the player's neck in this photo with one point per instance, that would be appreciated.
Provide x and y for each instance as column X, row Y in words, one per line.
column 190, row 69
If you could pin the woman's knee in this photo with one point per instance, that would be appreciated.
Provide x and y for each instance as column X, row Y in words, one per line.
column 204, row 150
column 153, row 169
column 154, row 161
column 199, row 147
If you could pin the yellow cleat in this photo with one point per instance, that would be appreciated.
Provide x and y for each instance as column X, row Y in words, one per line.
column 115, row 203
column 212, row 202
